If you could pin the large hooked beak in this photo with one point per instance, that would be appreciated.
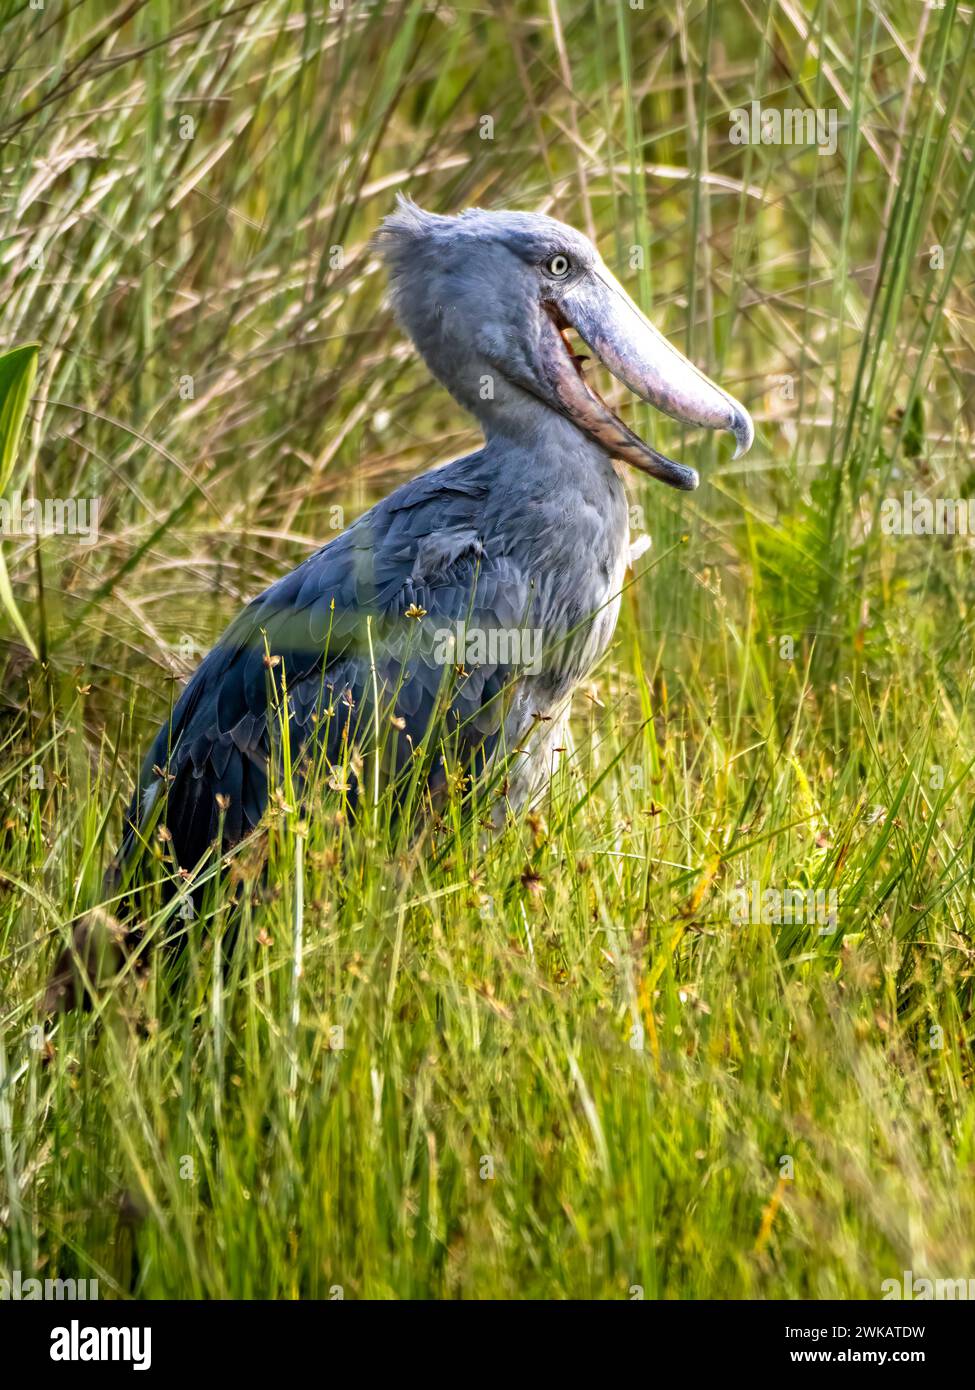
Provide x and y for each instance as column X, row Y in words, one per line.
column 628, row 345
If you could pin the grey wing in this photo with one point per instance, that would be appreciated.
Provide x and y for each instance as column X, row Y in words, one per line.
column 419, row 552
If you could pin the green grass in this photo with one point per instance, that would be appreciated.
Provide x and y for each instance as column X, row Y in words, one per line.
column 547, row 1063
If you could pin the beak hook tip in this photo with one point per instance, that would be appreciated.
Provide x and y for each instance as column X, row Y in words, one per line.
column 743, row 430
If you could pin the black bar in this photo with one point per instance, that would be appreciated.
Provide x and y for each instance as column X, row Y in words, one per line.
column 258, row 1338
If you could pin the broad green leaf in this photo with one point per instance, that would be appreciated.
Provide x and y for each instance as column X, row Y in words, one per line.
column 18, row 369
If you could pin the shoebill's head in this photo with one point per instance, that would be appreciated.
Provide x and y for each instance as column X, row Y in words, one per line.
column 489, row 299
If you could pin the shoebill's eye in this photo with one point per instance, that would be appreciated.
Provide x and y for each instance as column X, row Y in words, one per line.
column 559, row 266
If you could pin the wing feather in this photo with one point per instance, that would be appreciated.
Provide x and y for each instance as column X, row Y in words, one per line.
column 421, row 549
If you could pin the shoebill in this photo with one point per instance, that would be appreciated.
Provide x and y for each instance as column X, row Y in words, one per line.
column 520, row 547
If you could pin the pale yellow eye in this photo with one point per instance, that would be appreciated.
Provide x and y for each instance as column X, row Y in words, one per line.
column 558, row 266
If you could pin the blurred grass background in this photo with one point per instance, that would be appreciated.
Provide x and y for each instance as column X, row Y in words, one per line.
column 188, row 193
